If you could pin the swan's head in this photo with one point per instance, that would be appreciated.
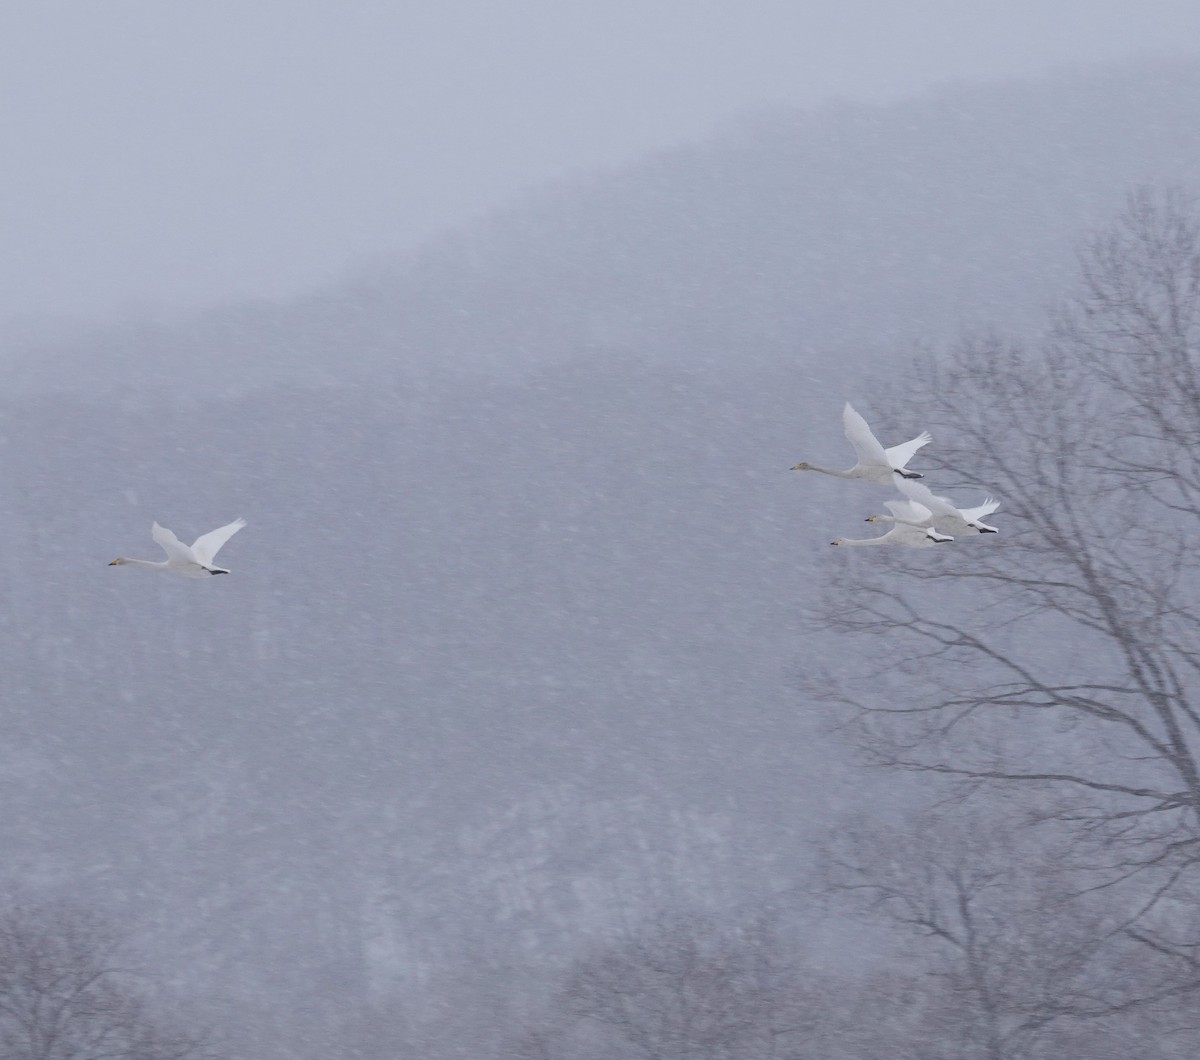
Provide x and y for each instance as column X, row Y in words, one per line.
column 802, row 466
column 118, row 561
column 873, row 518
column 836, row 541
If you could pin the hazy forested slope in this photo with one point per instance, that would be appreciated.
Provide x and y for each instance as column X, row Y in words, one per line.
column 851, row 232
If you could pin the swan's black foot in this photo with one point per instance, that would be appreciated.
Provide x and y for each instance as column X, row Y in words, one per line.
column 987, row 530
column 909, row 474
column 218, row 572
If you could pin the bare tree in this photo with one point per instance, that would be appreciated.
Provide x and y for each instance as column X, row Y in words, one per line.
column 67, row 994
column 683, row 988
column 1062, row 658
column 1015, row 963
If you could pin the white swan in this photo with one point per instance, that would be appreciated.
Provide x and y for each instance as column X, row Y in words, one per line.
column 940, row 512
column 908, row 512
column 194, row 562
column 875, row 464
column 900, row 534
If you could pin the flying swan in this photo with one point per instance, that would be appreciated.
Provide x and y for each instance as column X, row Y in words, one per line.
column 875, row 464
column 939, row 511
column 900, row 534
column 194, row 562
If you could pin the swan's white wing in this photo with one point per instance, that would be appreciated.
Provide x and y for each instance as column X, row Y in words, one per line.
column 206, row 546
column 171, row 545
column 909, row 511
column 986, row 508
column 859, row 435
column 922, row 494
column 900, row 455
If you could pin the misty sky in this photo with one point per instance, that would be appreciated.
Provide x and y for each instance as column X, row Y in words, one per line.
column 161, row 154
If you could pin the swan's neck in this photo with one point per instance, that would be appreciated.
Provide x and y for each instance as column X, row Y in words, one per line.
column 861, row 540
column 148, row 563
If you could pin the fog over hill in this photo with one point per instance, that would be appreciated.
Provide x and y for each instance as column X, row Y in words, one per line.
column 508, row 655
column 850, row 232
